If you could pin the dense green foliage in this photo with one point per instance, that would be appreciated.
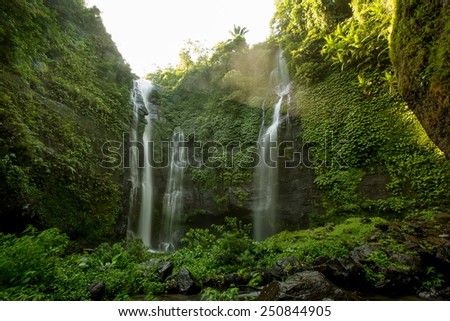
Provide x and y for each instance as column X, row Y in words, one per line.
column 217, row 100
column 358, row 135
column 300, row 27
column 363, row 39
column 34, row 267
column 420, row 53
column 208, row 256
column 353, row 114
column 64, row 91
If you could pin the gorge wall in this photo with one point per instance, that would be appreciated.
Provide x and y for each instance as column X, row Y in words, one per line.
column 420, row 54
column 64, row 92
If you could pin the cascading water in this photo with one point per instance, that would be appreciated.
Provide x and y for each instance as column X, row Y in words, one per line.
column 173, row 198
column 141, row 175
column 266, row 172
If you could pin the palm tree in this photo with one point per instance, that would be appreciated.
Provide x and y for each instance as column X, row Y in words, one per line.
column 238, row 31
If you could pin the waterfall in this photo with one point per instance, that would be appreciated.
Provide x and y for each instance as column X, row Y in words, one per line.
column 141, row 172
column 266, row 172
column 173, row 198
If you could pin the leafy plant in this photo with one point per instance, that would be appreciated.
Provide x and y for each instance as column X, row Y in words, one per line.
column 30, row 259
column 433, row 279
column 363, row 39
column 229, row 294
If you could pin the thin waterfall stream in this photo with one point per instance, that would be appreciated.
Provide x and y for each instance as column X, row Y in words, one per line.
column 158, row 234
column 141, row 174
column 266, row 172
column 173, row 198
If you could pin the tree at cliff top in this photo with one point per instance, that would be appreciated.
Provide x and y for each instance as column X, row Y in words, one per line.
column 300, row 27
column 64, row 91
column 217, row 98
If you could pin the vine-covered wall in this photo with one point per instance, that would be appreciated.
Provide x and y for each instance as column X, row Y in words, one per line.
column 64, row 91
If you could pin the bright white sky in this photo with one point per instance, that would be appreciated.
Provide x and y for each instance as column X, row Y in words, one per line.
column 151, row 33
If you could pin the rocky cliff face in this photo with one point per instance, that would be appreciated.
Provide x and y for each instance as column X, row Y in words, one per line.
column 64, row 92
column 420, row 51
column 299, row 198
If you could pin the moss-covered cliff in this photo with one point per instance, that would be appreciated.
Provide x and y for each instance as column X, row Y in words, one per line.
column 421, row 57
column 64, row 91
column 371, row 154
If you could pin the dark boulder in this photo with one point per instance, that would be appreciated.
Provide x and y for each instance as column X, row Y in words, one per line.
column 391, row 273
column 289, row 265
column 304, row 286
column 443, row 294
column 186, row 283
column 165, row 269
column 443, row 255
column 344, row 271
column 97, row 290
column 234, row 279
column 411, row 261
column 284, row 267
column 171, row 284
column 361, row 253
column 270, row 292
column 438, row 257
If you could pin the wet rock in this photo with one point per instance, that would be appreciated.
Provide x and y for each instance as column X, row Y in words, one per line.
column 186, row 283
column 289, row 265
column 171, row 285
column 373, row 186
column 438, row 257
column 397, row 274
column 97, row 290
column 234, row 279
column 342, row 271
column 411, row 242
column 270, row 275
column 443, row 255
column 152, row 262
column 282, row 269
column 270, row 292
column 165, row 269
column 361, row 253
column 411, row 261
column 275, row 273
column 428, row 295
column 433, row 294
column 321, row 260
column 444, row 294
column 304, row 286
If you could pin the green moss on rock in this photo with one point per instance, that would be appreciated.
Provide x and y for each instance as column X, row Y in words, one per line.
column 420, row 51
